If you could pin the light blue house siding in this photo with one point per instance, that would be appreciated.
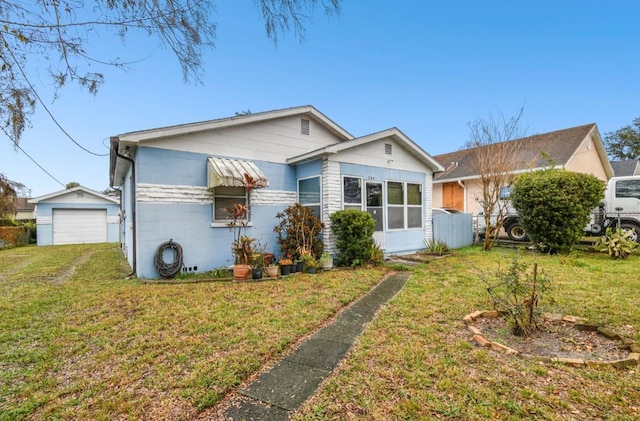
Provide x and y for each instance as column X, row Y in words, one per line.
column 164, row 175
column 205, row 247
column 395, row 241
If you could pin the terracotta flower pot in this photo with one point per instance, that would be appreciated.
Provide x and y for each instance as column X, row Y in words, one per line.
column 241, row 272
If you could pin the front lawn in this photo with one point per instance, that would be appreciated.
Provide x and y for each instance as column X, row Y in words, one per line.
column 417, row 361
column 90, row 344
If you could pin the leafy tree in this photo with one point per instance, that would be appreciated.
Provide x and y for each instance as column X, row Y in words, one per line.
column 495, row 157
column 9, row 191
column 59, row 34
column 72, row 185
column 354, row 236
column 624, row 143
column 554, row 206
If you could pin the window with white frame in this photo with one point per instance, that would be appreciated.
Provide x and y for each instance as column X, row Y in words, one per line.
column 309, row 194
column 352, row 193
column 404, row 205
column 226, row 198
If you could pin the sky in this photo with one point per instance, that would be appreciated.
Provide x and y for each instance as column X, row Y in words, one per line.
column 428, row 68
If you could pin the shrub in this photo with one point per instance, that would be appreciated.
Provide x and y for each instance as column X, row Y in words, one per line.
column 515, row 296
column 299, row 232
column 618, row 243
column 554, row 206
column 354, row 236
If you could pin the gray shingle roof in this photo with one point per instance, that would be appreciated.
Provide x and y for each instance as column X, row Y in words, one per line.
column 628, row 167
column 559, row 145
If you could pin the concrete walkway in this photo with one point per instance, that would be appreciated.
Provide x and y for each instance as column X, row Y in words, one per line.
column 293, row 380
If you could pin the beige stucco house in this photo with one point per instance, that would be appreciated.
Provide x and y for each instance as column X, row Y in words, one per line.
column 578, row 149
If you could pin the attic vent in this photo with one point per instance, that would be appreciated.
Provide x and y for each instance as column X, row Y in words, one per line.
column 387, row 149
column 79, row 194
column 304, row 126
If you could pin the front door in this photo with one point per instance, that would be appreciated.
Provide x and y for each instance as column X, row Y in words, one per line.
column 374, row 205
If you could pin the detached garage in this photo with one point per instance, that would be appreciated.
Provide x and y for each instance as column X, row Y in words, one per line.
column 76, row 216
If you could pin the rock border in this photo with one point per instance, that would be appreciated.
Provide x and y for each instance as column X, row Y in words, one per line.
column 579, row 323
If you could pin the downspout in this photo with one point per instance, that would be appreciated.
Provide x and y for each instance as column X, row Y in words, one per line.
column 115, row 143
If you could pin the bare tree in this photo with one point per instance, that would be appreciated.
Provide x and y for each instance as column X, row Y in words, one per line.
column 496, row 156
column 58, row 34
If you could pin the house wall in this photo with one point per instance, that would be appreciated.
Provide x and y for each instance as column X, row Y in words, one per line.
column 587, row 160
column 44, row 220
column 173, row 203
column 269, row 141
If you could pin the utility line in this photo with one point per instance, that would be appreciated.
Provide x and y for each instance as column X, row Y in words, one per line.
column 24, row 75
column 35, row 162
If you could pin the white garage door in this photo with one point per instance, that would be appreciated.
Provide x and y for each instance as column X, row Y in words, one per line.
column 77, row 226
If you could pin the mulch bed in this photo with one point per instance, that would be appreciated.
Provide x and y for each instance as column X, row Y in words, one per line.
column 554, row 339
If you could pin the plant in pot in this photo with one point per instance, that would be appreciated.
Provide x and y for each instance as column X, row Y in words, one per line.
column 242, row 245
column 309, row 263
column 326, row 261
column 257, row 265
column 285, row 266
column 272, row 270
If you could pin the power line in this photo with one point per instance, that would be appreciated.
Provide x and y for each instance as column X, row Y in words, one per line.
column 35, row 162
column 24, row 75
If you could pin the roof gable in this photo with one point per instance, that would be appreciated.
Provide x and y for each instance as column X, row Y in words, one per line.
column 79, row 189
column 183, row 129
column 537, row 152
column 627, row 167
column 392, row 133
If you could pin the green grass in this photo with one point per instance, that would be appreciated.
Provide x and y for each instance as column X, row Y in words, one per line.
column 417, row 361
column 91, row 344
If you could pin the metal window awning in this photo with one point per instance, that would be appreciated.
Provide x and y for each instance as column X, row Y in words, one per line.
column 231, row 173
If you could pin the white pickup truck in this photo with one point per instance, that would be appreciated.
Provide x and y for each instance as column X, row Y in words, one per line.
column 621, row 205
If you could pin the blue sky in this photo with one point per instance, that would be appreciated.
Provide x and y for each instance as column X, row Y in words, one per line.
column 427, row 68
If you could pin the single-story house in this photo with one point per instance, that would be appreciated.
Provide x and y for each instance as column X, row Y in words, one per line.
column 578, row 149
column 626, row 167
column 176, row 181
column 76, row 216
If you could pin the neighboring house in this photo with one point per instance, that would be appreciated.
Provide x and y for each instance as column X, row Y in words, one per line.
column 25, row 211
column 175, row 182
column 578, row 149
column 627, row 167
column 76, row 216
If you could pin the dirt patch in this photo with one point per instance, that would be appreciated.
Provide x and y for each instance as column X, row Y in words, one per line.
column 78, row 261
column 556, row 338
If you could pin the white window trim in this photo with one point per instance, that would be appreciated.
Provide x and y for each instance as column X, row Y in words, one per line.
column 219, row 223
column 319, row 177
column 405, row 206
column 350, row 205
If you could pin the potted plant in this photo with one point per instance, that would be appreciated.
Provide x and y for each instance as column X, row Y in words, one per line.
column 326, row 261
column 309, row 263
column 272, row 270
column 257, row 265
column 285, row 266
column 242, row 245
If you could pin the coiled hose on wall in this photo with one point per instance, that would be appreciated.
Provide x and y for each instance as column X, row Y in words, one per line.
column 168, row 270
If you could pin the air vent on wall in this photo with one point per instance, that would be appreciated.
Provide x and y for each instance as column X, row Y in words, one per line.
column 304, row 126
column 387, row 149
